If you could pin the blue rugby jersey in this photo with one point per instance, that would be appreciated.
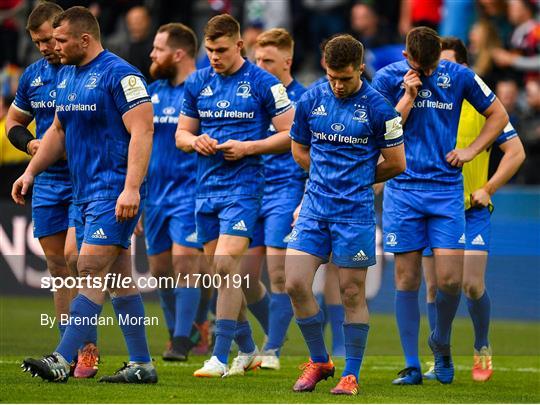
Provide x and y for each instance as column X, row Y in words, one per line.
column 90, row 103
column 280, row 170
column 240, row 107
column 171, row 173
column 35, row 97
column 345, row 138
column 430, row 131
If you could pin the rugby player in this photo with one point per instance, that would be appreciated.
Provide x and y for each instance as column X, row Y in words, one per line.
column 424, row 206
column 340, row 130
column 231, row 105
column 477, row 192
column 53, row 212
column 103, row 123
column 169, row 215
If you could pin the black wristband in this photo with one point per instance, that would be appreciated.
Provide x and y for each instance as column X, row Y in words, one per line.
column 19, row 137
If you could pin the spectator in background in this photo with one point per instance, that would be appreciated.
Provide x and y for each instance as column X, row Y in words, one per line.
column 415, row 13
column 507, row 90
column 524, row 54
column 483, row 39
column 495, row 12
column 367, row 27
column 9, row 30
column 249, row 35
column 529, row 131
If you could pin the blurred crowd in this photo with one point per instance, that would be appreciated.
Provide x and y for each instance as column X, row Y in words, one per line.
column 503, row 38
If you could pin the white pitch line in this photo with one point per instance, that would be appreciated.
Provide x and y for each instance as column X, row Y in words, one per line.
column 465, row 368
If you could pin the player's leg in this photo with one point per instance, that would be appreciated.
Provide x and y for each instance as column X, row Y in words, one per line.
column 257, row 298
column 428, row 267
column 334, row 309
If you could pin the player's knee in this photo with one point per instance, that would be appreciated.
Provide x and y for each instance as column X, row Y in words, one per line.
column 473, row 291
column 431, row 292
column 297, row 289
column 278, row 283
column 58, row 267
column 407, row 281
column 223, row 265
column 449, row 285
column 87, row 266
column 350, row 296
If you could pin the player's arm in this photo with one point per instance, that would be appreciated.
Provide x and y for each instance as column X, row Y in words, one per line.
column 513, row 157
column 187, row 141
column 393, row 164
column 300, row 154
column 17, row 122
column 411, row 83
column 51, row 149
column 139, row 123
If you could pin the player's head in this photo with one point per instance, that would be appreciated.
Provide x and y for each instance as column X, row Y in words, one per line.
column 174, row 44
column 454, row 50
column 39, row 26
column 274, row 52
column 343, row 56
column 75, row 31
column 223, row 42
column 423, row 49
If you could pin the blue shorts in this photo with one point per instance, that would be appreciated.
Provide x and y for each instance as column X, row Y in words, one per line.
column 52, row 209
column 97, row 224
column 351, row 245
column 274, row 223
column 477, row 230
column 236, row 215
column 165, row 225
column 416, row 219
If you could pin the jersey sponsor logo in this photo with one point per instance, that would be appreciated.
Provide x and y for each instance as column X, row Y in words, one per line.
column 155, row 98
column 393, row 129
column 169, row 110
column 478, row 240
column 223, row 104
column 338, row 127
column 340, row 138
column 424, row 93
column 360, row 115
column 240, row 226
column 462, row 239
column 42, row 104
column 360, row 256
column 243, row 90
column 444, row 81
column 438, row 105
column 72, row 96
column 36, row 82
column 391, row 239
column 92, row 81
column 99, row 234
column 320, row 110
column 62, row 84
column 281, row 100
column 207, row 92
column 483, row 86
column 133, row 88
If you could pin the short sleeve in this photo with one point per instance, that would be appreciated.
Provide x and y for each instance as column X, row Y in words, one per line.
column 508, row 133
column 476, row 91
column 22, row 100
column 381, row 84
column 129, row 90
column 300, row 132
column 189, row 105
column 275, row 98
column 387, row 126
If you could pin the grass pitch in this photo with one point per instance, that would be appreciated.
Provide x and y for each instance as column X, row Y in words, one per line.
column 516, row 362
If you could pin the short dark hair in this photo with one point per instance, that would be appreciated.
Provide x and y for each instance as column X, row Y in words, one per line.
column 221, row 25
column 342, row 51
column 424, row 46
column 456, row 45
column 43, row 12
column 180, row 36
column 81, row 21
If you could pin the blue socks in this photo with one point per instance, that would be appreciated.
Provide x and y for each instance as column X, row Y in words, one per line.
column 131, row 307
column 61, row 329
column 408, row 322
column 243, row 337
column 225, row 331
column 74, row 335
column 281, row 313
column 261, row 310
column 447, row 306
column 480, row 311
column 431, row 315
column 187, row 303
column 168, row 304
column 312, row 330
column 202, row 311
column 336, row 315
column 355, row 343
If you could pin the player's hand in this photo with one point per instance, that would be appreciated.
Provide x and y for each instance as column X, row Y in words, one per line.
column 412, row 82
column 502, row 57
column 458, row 157
column 295, row 214
column 233, row 150
column 127, row 205
column 139, row 228
column 480, row 198
column 20, row 188
column 33, row 146
column 205, row 145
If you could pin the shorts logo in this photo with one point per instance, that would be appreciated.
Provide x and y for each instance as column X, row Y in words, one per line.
column 424, row 93
column 320, row 110
column 207, row 92
column 240, row 226
column 391, row 239
column 360, row 257
column 99, row 234
column 192, row 238
column 462, row 239
column 243, row 90
column 291, row 237
column 223, row 104
column 337, row 126
column 478, row 240
column 444, row 81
